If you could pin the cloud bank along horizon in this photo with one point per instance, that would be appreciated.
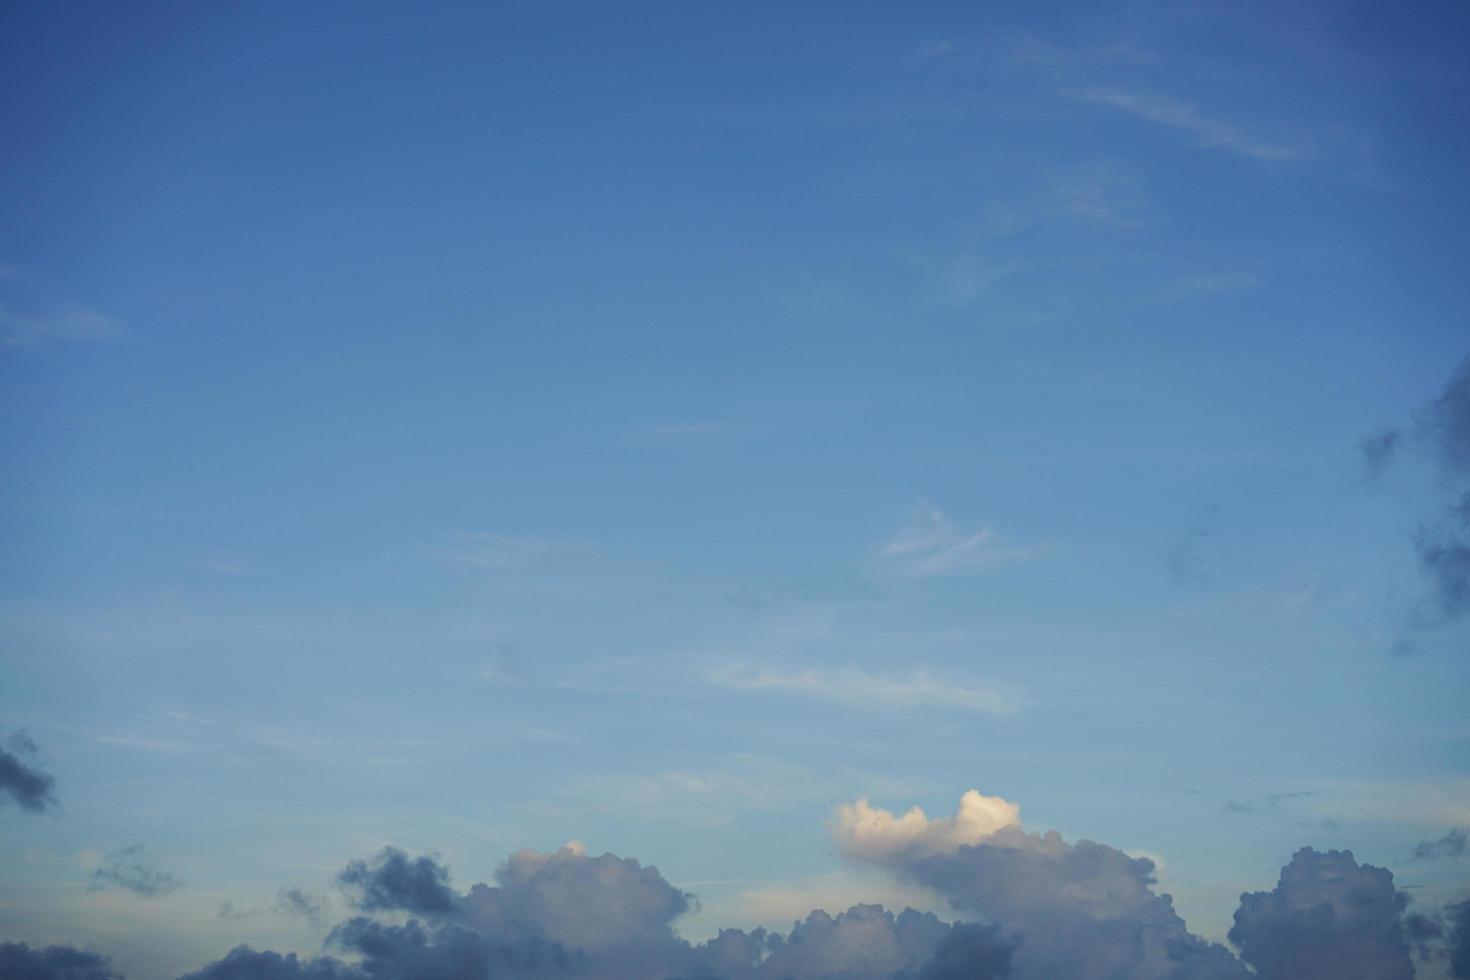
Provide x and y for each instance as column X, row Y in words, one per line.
column 1024, row 905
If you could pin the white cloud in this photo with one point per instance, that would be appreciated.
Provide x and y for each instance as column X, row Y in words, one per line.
column 71, row 324
column 930, row 544
column 875, row 834
column 853, row 686
column 1166, row 111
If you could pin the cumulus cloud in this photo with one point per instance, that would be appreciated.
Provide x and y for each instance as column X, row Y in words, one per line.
column 21, row 962
column 134, row 870
column 971, row 952
column 393, row 880
column 875, row 834
column 590, row 902
column 1031, row 907
column 1451, row 845
column 1458, row 945
column 931, row 545
column 1328, row 918
column 244, row 963
column 1080, row 911
column 21, row 779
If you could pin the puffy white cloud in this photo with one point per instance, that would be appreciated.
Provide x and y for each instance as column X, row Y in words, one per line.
column 876, row 834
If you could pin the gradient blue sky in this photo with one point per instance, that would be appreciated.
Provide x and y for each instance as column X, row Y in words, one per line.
column 476, row 428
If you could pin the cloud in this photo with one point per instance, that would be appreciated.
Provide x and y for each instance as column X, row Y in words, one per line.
column 132, row 869
column 875, row 834
column 1442, row 542
column 25, row 783
column 21, row 962
column 590, row 902
column 1380, row 449
column 1445, row 422
column 393, row 880
column 1084, row 911
column 864, row 941
column 1458, row 944
column 244, row 963
column 1186, row 560
column 297, row 901
column 1451, row 845
column 1443, row 548
column 566, row 913
column 288, row 901
column 1182, row 116
column 1328, row 918
column 971, row 952
column 1038, row 908
column 71, row 324
column 856, row 687
column 930, row 545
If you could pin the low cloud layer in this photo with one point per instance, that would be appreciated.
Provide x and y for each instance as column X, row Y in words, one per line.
column 1328, row 918
column 19, row 961
column 1030, row 906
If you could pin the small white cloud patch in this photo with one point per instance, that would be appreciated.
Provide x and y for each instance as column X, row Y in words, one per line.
column 930, row 544
column 875, row 834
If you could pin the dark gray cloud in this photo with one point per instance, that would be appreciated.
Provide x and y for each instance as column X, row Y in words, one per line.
column 1442, row 543
column 288, row 901
column 1234, row 806
column 971, row 952
column 134, row 870
column 447, row 951
column 1328, row 918
column 864, row 941
column 21, row 962
column 21, row 779
column 298, row 901
column 1445, row 422
column 1458, row 939
column 1380, row 449
column 393, row 880
column 1084, row 911
column 591, row 902
column 244, row 963
column 1443, row 547
column 1451, row 845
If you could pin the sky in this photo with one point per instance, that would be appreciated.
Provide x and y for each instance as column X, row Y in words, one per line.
column 630, row 455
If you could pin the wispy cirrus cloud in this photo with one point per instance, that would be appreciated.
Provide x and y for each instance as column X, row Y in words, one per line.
column 1180, row 115
column 859, row 688
column 930, row 544
column 73, row 324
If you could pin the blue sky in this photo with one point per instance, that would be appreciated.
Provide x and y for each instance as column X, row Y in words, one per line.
column 475, row 429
